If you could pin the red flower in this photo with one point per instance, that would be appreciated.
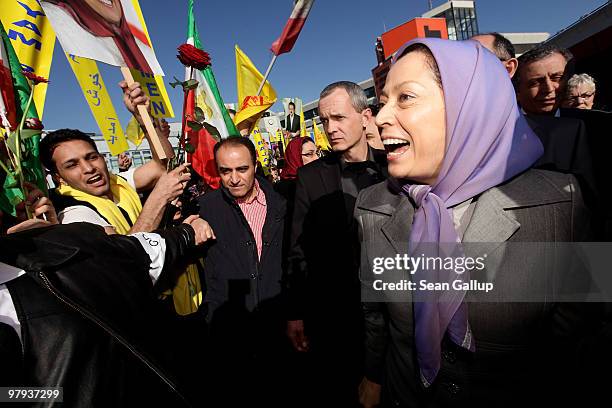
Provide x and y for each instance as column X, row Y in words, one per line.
column 34, row 124
column 34, row 78
column 191, row 56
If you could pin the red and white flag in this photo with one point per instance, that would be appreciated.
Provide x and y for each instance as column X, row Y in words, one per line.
column 292, row 29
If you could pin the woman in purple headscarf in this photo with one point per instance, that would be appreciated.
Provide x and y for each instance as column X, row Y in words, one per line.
column 459, row 154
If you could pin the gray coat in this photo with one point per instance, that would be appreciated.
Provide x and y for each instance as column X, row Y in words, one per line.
column 518, row 344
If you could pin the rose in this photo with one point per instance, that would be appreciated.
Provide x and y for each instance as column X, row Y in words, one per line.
column 191, row 56
column 34, row 124
column 34, row 78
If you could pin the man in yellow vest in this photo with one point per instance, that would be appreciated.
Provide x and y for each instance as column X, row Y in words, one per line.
column 88, row 192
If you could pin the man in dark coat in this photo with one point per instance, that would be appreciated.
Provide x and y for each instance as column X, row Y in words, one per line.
column 323, row 288
column 243, row 281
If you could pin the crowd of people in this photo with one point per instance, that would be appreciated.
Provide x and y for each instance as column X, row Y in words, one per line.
column 468, row 144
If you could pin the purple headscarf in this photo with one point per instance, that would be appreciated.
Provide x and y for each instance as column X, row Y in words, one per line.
column 488, row 142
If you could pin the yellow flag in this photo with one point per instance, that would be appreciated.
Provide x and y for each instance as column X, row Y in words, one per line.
column 320, row 137
column 281, row 138
column 152, row 85
column 33, row 39
column 303, row 132
column 248, row 78
column 262, row 152
column 134, row 132
column 90, row 79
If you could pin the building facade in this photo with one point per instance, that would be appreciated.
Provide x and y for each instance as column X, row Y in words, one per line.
column 461, row 20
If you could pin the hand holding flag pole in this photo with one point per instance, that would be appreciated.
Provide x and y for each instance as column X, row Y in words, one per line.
column 289, row 36
column 152, row 135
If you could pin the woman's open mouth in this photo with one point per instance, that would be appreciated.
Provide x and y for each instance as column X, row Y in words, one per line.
column 396, row 147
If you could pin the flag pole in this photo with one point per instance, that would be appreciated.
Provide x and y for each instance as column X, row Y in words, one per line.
column 153, row 137
column 267, row 73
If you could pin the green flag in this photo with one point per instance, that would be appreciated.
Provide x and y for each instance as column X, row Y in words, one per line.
column 30, row 158
column 207, row 94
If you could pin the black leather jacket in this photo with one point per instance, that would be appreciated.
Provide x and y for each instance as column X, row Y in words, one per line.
column 89, row 318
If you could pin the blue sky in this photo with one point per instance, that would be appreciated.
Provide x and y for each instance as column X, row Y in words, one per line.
column 337, row 43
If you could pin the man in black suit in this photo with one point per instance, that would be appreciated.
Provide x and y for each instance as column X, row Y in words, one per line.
column 323, row 286
column 541, row 82
column 292, row 122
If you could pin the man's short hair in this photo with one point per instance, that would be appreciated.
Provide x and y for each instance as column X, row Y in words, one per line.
column 49, row 143
column 234, row 141
column 541, row 52
column 504, row 50
column 291, row 104
column 359, row 100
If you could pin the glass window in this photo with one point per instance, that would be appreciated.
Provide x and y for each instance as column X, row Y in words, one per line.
column 370, row 92
column 137, row 158
column 450, row 24
column 114, row 164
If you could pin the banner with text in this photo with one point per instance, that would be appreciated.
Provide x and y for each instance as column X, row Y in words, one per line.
column 32, row 38
column 96, row 94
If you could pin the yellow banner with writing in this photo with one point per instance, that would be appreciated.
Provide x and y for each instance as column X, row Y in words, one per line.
column 320, row 138
column 262, row 151
column 96, row 94
column 280, row 138
column 32, row 38
column 153, row 85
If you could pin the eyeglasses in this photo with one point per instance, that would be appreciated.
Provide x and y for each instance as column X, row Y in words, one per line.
column 576, row 98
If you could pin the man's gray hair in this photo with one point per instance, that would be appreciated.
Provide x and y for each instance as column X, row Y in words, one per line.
column 359, row 100
column 581, row 79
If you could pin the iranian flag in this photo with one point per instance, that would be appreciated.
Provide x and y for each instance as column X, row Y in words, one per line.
column 14, row 95
column 292, row 29
column 206, row 97
column 7, row 94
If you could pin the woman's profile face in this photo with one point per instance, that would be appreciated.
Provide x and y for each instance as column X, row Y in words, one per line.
column 109, row 10
column 412, row 120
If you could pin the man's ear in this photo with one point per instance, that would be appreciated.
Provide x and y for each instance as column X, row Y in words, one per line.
column 57, row 179
column 511, row 66
column 366, row 115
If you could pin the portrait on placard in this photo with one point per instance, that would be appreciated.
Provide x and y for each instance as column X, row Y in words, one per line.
column 108, row 31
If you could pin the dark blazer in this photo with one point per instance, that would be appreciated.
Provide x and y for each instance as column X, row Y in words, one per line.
column 247, row 339
column 566, row 149
column 235, row 278
column 294, row 126
column 524, row 351
column 323, row 255
column 286, row 188
column 323, row 285
column 598, row 126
